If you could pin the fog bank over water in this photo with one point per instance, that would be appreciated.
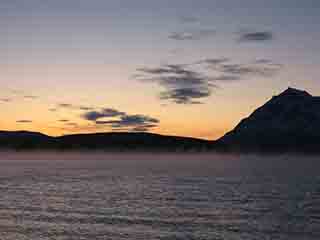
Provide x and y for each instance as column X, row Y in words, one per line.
column 285, row 162
column 100, row 155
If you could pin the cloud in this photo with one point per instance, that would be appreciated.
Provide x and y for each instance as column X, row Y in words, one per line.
column 105, row 113
column 63, row 120
column 192, row 35
column 84, row 108
column 131, row 120
column 23, row 121
column 143, row 128
column 191, row 83
column 248, row 70
column 80, row 128
column 189, row 19
column 226, row 70
column 65, row 105
column 256, row 36
column 71, row 124
column 16, row 92
column 186, row 95
column 268, row 62
column 214, row 61
column 182, row 85
column 16, row 96
column 20, row 94
column 176, row 51
column 31, row 97
column 74, row 107
column 5, row 100
column 119, row 120
column 178, row 69
column 263, row 61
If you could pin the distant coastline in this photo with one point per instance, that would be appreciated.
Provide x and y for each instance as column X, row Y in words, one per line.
column 288, row 123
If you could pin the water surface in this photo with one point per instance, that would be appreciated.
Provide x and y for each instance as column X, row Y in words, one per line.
column 158, row 196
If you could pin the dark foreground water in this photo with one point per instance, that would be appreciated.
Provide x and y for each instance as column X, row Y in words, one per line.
column 54, row 196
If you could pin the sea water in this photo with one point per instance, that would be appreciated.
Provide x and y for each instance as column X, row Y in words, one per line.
column 158, row 196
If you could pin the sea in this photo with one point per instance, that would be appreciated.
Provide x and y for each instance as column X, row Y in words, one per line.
column 91, row 196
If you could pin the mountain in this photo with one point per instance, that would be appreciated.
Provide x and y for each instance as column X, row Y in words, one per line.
column 101, row 141
column 289, row 122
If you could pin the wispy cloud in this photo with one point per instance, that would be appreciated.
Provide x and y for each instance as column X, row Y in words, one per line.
column 73, row 107
column 85, row 108
column 104, row 113
column 24, row 121
column 5, row 100
column 31, row 97
column 192, row 35
column 182, row 86
column 227, row 70
column 16, row 95
column 143, row 128
column 186, row 95
column 71, row 124
column 189, row 19
column 132, row 121
column 214, row 61
column 63, row 120
column 65, row 105
column 119, row 120
column 257, row 36
column 191, row 83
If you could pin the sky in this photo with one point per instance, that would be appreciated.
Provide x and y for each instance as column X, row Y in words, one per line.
column 178, row 67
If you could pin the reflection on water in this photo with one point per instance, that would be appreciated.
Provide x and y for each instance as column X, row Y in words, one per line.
column 55, row 196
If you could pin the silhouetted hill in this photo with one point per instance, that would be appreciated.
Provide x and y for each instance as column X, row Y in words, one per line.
column 101, row 141
column 289, row 122
column 24, row 140
column 131, row 141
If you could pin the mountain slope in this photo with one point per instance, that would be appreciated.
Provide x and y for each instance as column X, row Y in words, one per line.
column 288, row 122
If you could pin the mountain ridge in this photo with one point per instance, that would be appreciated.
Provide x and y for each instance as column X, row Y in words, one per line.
column 116, row 141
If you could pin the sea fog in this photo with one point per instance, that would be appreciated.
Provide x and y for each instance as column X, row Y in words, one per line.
column 158, row 196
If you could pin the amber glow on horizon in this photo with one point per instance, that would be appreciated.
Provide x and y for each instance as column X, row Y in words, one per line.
column 210, row 121
column 190, row 69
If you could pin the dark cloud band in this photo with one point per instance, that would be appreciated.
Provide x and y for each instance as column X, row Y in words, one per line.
column 118, row 120
column 256, row 36
column 192, row 35
column 24, row 121
column 191, row 83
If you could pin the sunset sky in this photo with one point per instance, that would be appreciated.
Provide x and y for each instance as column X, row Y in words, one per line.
column 178, row 67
